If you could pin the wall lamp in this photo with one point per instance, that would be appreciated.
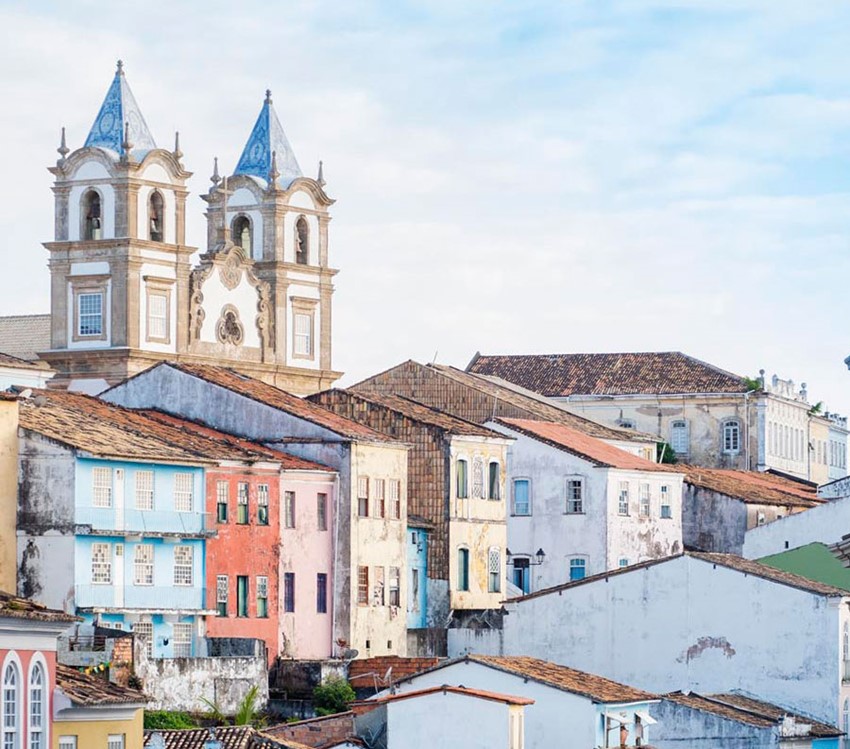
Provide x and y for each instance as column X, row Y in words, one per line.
column 540, row 556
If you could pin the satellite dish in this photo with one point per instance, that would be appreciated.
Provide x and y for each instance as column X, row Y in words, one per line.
column 349, row 654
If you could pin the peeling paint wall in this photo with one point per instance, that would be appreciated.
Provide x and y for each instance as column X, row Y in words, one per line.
column 8, row 493
column 680, row 726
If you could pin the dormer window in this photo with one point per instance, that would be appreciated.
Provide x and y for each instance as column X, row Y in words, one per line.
column 92, row 218
column 156, row 216
column 241, row 231
column 302, row 242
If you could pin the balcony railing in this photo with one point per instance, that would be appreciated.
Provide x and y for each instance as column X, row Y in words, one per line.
column 139, row 597
column 144, row 521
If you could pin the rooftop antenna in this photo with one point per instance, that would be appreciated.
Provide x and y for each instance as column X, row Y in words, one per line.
column 434, row 360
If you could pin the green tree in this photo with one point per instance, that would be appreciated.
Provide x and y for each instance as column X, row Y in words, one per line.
column 666, row 453
column 332, row 696
column 166, row 720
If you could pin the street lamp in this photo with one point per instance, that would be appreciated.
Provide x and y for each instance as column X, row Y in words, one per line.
column 540, row 555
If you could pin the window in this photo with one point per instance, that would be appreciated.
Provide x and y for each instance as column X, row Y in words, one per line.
column 262, row 504
column 242, row 503
column 242, row 595
column 144, row 490
column 90, row 313
column 623, row 507
column 380, row 502
column 101, row 564
column 222, row 491
column 144, row 631
column 644, row 499
column 395, row 499
column 321, row 593
column 395, row 587
column 116, row 741
column 578, row 568
column 262, row 597
column 462, row 479
column 221, row 586
column 241, row 231
column 102, row 487
column 731, row 437
column 363, row 496
column 302, row 322
column 666, row 510
column 36, row 707
column 463, row 569
column 522, row 497
column 289, row 592
column 679, row 440
column 494, row 566
column 760, row 519
column 626, row 423
column 575, row 496
column 92, row 219
column 182, row 640
column 363, row 586
column 624, row 562
column 289, row 509
column 67, row 742
column 477, row 477
column 302, row 241
column 183, row 565
column 522, row 576
column 157, row 317
column 183, row 492
column 494, row 483
column 11, row 706
column 156, row 216
column 322, row 511
column 143, row 565
column 414, row 589
column 378, row 590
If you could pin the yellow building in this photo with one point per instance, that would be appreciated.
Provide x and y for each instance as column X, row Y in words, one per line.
column 8, row 489
column 92, row 713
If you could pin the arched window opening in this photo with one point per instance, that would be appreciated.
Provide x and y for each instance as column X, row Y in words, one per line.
column 156, row 216
column 242, row 234
column 302, row 242
column 36, row 708
column 731, row 437
column 11, row 707
column 93, row 226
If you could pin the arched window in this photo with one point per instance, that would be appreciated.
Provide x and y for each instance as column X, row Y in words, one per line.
column 731, row 436
column 156, row 216
column 242, row 234
column 302, row 242
column 37, row 707
column 11, row 706
column 92, row 217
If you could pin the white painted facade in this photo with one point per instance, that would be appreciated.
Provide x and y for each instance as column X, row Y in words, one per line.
column 688, row 623
column 599, row 536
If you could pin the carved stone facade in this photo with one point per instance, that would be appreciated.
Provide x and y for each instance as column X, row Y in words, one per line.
column 124, row 293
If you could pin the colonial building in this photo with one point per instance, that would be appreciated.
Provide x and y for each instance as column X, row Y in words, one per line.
column 124, row 292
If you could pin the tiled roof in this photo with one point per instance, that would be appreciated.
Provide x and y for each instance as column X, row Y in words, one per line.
column 231, row 737
column 23, row 608
column 92, row 691
column 316, row 732
column 281, row 400
column 500, row 399
column 483, row 694
column 7, row 360
column 748, row 710
column 753, row 487
column 595, row 687
column 561, row 375
column 730, row 561
column 24, row 335
column 577, row 443
column 383, row 670
column 409, row 408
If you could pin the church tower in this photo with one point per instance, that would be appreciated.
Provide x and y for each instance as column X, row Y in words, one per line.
column 124, row 294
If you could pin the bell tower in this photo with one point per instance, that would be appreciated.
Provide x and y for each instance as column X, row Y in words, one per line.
column 119, row 264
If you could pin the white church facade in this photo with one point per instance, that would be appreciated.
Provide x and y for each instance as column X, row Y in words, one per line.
column 127, row 291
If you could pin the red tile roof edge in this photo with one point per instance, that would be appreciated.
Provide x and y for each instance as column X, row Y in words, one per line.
column 446, row 689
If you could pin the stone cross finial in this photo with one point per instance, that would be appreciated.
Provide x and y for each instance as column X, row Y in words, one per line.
column 321, row 178
column 127, row 146
column 178, row 154
column 63, row 149
column 269, row 95
column 273, row 172
column 120, row 68
column 215, row 179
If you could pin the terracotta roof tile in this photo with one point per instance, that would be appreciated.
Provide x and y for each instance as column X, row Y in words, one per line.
column 750, row 704
column 23, row 608
column 25, row 335
column 92, row 691
column 483, row 694
column 577, row 443
column 231, row 737
column 561, row 375
column 7, row 360
column 753, row 487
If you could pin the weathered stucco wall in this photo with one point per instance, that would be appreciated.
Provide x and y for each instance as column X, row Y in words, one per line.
column 679, row 726
column 8, row 494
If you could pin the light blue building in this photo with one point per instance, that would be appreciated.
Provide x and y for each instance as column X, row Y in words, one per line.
column 417, row 570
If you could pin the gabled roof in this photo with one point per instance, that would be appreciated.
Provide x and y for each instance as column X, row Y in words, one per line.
column 406, row 407
column 508, row 699
column 13, row 607
column 120, row 107
column 752, row 487
column 729, row 561
column 649, row 372
column 269, row 395
column 572, row 441
column 268, row 138
column 491, row 399
column 91, row 691
column 749, row 711
column 24, row 335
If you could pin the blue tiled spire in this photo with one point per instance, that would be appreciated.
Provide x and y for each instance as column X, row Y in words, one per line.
column 268, row 137
column 119, row 107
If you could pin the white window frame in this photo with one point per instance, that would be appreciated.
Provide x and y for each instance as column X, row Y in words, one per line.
column 644, row 499
column 262, row 502
column 143, row 629
column 181, row 639
column 574, row 505
column 731, row 437
column 666, row 506
column 576, row 562
column 395, row 499
column 289, row 519
column 101, row 562
column 184, row 492
column 67, row 742
column 39, row 731
column 680, row 438
column 184, row 565
column 12, row 724
column 302, row 334
column 514, row 482
column 379, row 495
column 157, row 316
column 92, row 331
column 143, row 565
column 144, row 499
column 624, row 499
column 494, row 570
column 101, row 481
column 363, row 496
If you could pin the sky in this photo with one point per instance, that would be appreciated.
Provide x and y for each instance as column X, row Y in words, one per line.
column 535, row 177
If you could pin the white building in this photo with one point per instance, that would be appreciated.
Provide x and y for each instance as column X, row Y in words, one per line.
column 22, row 373
column 566, row 702
column 587, row 505
column 700, row 621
